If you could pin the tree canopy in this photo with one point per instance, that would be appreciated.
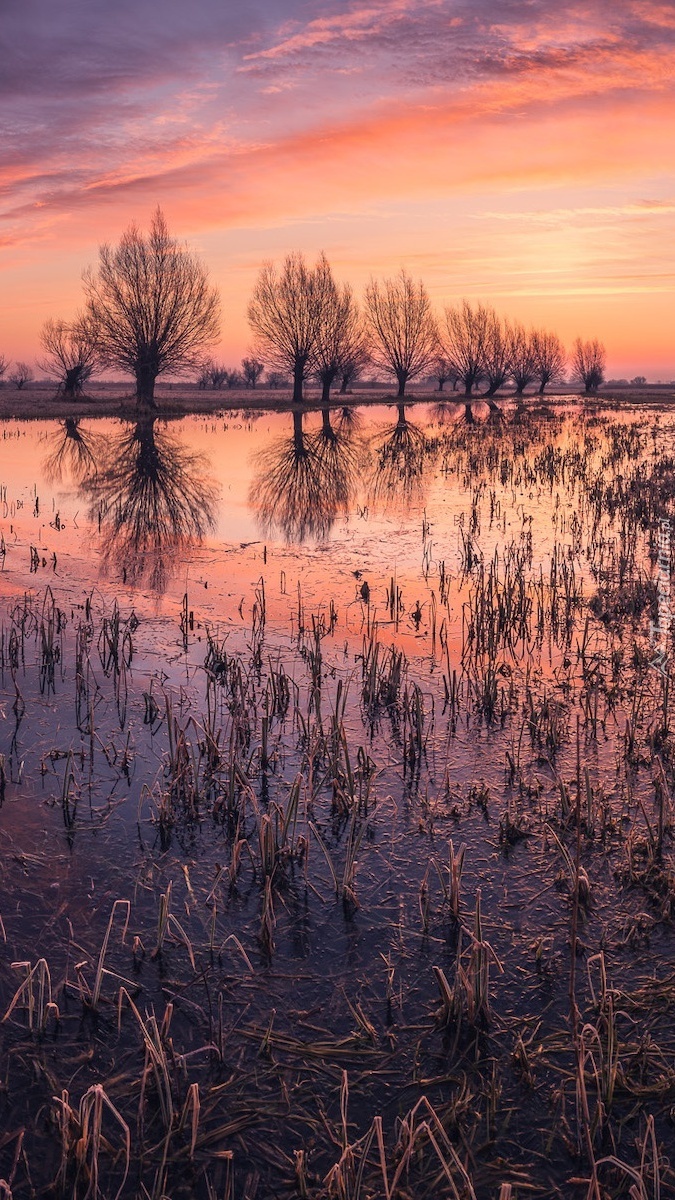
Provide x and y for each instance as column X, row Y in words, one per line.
column 150, row 306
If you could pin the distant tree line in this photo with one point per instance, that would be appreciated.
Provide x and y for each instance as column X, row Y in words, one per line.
column 149, row 310
column 217, row 375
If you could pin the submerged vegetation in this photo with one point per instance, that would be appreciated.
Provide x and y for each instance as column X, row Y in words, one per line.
column 357, row 883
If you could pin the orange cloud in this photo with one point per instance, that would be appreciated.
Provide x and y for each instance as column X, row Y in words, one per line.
column 511, row 151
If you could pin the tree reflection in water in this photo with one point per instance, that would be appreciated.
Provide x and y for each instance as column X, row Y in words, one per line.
column 74, row 453
column 155, row 500
column 470, row 412
column 401, row 455
column 337, row 450
column 304, row 482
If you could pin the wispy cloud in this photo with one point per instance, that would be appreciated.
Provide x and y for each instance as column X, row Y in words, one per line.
column 95, row 90
column 275, row 111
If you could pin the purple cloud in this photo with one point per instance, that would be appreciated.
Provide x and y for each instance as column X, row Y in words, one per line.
column 96, row 95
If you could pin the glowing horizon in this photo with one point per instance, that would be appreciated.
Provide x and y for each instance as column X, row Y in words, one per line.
column 517, row 152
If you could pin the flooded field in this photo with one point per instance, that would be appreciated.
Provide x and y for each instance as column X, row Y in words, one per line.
column 336, row 801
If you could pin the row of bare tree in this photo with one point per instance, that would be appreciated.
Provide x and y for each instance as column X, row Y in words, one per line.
column 307, row 324
column 150, row 310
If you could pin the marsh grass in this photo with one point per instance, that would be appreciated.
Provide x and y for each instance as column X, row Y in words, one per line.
column 464, row 790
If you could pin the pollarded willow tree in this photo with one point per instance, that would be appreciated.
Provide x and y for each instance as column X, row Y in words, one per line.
column 151, row 307
column 465, row 339
column 496, row 353
column 340, row 330
column 286, row 313
column 251, row 370
column 69, row 354
column 522, row 356
column 21, row 374
column 355, row 359
column 401, row 327
column 550, row 358
column 444, row 371
column 588, row 361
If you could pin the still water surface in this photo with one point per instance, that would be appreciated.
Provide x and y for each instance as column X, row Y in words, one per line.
column 432, row 621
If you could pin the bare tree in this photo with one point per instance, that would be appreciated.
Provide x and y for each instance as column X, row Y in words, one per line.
column 339, row 330
column 523, row 357
column 355, row 358
column 401, row 327
column 285, row 314
column 445, row 372
column 464, row 342
column 550, row 358
column 252, row 369
column 204, row 375
column 234, row 379
column 220, row 375
column 4, row 363
column 151, row 307
column 69, row 354
column 212, row 374
column 589, row 360
column 497, row 353
column 21, row 374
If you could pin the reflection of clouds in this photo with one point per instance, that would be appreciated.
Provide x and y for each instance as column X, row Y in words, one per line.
column 74, row 453
column 155, row 500
column 304, row 482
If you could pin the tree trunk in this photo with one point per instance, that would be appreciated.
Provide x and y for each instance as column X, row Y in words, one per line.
column 298, row 380
column 468, row 387
column 343, row 385
column 542, row 385
column 440, row 384
column 402, row 380
column 71, row 382
column 145, row 386
column 325, row 390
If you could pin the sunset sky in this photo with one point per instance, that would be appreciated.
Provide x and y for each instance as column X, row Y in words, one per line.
column 517, row 151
